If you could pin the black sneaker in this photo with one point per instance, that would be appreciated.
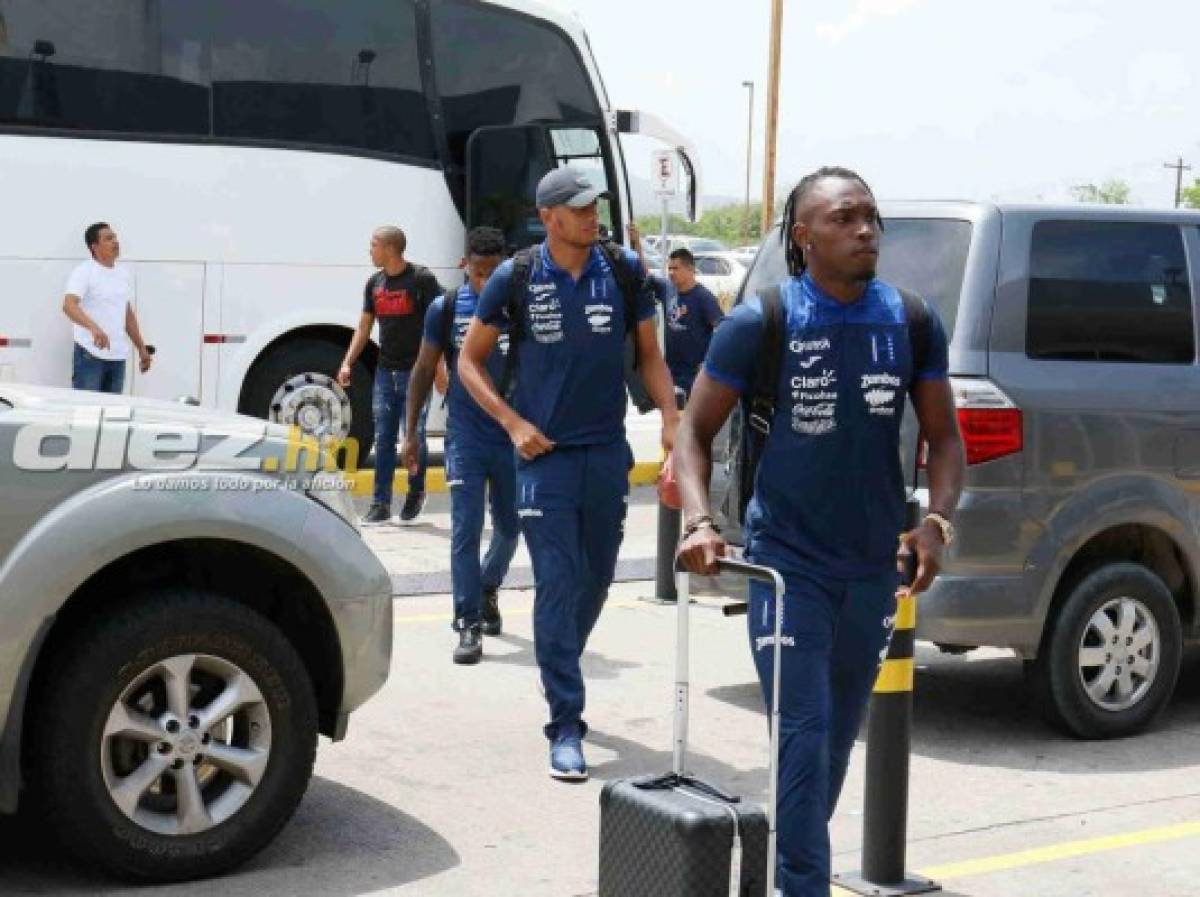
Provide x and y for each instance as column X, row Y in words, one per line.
column 414, row 503
column 470, row 645
column 493, row 623
column 377, row 514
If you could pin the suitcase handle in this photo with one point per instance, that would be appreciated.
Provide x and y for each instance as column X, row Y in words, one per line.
column 773, row 578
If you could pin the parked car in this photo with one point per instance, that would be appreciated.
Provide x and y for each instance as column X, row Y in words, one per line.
column 722, row 273
column 1073, row 364
column 745, row 255
column 178, row 626
column 695, row 244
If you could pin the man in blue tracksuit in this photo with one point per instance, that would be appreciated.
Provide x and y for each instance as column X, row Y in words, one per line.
column 567, row 421
column 479, row 455
column 828, row 499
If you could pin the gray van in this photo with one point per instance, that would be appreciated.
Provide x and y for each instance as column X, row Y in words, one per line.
column 1073, row 363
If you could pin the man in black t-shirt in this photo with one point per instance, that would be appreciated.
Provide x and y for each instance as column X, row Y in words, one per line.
column 398, row 294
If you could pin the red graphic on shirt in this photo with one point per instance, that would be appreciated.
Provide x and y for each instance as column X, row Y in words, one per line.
column 393, row 303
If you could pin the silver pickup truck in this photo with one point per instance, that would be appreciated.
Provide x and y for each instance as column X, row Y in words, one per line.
column 184, row 605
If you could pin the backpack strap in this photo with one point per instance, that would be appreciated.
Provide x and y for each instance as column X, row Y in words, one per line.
column 523, row 265
column 631, row 282
column 916, row 312
column 449, row 315
column 761, row 410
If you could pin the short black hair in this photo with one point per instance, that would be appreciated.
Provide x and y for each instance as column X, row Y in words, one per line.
column 485, row 241
column 795, row 255
column 683, row 254
column 91, row 236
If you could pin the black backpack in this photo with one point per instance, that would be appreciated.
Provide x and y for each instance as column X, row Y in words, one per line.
column 748, row 438
column 632, row 285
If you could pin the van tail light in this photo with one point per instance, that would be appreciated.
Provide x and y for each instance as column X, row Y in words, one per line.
column 991, row 424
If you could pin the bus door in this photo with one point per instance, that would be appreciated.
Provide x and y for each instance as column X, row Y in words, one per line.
column 504, row 165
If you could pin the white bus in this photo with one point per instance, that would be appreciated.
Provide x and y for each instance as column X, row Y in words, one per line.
column 245, row 149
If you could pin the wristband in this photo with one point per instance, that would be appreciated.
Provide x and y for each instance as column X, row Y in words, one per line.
column 704, row 521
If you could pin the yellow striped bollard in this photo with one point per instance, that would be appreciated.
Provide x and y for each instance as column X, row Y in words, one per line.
column 889, row 739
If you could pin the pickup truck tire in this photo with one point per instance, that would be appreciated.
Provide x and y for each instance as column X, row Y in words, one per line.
column 1111, row 655
column 177, row 738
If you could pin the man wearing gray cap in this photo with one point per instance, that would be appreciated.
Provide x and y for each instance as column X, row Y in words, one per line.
column 568, row 317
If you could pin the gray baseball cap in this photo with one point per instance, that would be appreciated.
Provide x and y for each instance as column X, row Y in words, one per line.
column 567, row 187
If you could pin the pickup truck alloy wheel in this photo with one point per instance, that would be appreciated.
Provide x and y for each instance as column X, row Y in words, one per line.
column 172, row 735
column 186, row 744
column 1118, row 654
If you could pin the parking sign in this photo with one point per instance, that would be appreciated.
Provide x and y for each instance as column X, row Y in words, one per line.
column 665, row 174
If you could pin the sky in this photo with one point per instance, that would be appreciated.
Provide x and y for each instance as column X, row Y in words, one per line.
column 1015, row 100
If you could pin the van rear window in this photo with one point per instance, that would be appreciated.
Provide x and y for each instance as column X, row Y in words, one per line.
column 925, row 255
column 1109, row 291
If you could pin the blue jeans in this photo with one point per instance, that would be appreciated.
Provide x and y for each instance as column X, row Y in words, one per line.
column 473, row 469
column 96, row 374
column 388, row 403
column 834, row 635
column 571, row 502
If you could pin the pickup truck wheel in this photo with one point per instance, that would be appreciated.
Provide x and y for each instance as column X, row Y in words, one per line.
column 1109, row 664
column 176, row 739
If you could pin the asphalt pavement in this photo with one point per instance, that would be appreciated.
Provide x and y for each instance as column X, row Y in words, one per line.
column 440, row 789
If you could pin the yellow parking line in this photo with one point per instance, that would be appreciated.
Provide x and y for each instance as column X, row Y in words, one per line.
column 644, row 473
column 1064, row 851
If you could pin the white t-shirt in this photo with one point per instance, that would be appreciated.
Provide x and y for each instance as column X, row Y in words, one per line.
column 103, row 295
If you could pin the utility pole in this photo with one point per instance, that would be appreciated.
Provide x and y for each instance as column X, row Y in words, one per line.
column 749, row 158
column 1180, row 168
column 768, row 204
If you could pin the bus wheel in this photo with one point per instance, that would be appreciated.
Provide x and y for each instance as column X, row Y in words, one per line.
column 295, row 385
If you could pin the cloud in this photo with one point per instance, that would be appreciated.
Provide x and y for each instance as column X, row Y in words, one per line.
column 864, row 13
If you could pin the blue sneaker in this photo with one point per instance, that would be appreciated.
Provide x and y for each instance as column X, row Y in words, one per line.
column 566, row 757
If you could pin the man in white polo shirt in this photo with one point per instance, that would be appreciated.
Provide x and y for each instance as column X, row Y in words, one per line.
column 99, row 302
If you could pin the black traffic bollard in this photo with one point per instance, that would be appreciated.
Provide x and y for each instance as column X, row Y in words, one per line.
column 889, row 738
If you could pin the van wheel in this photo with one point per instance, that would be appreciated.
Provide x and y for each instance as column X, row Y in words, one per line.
column 295, row 385
column 173, row 738
column 1110, row 661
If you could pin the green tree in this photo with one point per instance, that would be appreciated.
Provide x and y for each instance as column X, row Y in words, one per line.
column 1191, row 195
column 1112, row 192
column 725, row 223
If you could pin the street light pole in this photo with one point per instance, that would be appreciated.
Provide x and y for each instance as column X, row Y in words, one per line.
column 768, row 204
column 749, row 158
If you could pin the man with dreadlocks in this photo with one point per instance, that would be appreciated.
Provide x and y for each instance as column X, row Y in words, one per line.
column 828, row 498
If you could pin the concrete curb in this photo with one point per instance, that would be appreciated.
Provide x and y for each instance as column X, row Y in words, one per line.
column 644, row 473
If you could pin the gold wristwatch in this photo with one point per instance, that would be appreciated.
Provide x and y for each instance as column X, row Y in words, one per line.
column 945, row 526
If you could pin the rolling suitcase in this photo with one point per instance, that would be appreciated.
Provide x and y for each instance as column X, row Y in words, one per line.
column 675, row 836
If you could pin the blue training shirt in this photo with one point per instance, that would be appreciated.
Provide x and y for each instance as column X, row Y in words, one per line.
column 465, row 419
column 570, row 380
column 689, row 322
column 829, row 493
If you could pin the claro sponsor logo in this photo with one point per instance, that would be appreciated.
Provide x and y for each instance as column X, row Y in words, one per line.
column 102, row 439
